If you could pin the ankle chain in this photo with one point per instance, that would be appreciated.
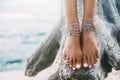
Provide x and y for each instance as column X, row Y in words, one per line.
column 88, row 26
column 73, row 31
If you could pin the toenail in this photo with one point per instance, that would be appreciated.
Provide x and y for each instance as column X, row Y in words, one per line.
column 85, row 65
column 66, row 61
column 94, row 64
column 73, row 68
column 78, row 66
column 90, row 66
column 70, row 65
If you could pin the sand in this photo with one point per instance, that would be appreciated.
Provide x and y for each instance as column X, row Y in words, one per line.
column 19, row 75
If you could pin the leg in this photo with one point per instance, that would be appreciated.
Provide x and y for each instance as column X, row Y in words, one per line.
column 72, row 49
column 89, row 46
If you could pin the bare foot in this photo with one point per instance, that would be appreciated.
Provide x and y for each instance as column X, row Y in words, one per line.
column 72, row 52
column 89, row 48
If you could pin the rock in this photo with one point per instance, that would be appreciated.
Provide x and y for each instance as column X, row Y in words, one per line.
column 107, row 21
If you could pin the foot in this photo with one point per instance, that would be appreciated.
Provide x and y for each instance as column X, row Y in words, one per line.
column 89, row 48
column 72, row 52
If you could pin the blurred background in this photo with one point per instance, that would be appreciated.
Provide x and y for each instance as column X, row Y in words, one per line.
column 23, row 25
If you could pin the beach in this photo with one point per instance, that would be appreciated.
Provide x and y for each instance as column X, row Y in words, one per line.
column 19, row 75
column 23, row 25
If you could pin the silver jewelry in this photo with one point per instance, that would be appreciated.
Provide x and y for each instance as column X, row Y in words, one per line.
column 72, row 31
column 88, row 26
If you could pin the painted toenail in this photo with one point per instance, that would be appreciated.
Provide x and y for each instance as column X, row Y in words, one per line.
column 66, row 61
column 70, row 65
column 73, row 68
column 78, row 66
column 90, row 66
column 85, row 65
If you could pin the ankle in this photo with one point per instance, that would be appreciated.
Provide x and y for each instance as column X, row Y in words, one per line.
column 88, row 20
column 74, row 25
column 88, row 26
column 73, row 30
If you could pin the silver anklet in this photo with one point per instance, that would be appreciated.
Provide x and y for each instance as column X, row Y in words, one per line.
column 88, row 19
column 71, row 31
column 88, row 26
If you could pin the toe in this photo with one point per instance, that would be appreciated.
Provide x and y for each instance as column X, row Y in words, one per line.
column 65, row 58
column 85, row 62
column 88, row 61
column 74, row 64
column 90, row 65
column 70, row 62
column 92, row 61
column 78, row 65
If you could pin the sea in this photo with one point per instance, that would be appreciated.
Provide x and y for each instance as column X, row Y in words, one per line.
column 23, row 26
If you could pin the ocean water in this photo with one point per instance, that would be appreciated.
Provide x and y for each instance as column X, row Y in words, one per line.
column 23, row 25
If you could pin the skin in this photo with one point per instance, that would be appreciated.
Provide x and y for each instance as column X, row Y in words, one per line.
column 72, row 49
column 74, row 54
column 89, row 44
